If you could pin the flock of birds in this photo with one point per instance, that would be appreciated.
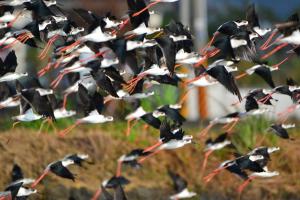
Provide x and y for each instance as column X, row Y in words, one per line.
column 106, row 59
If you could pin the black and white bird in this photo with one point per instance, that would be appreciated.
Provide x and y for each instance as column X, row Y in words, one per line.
column 180, row 187
column 281, row 130
column 59, row 168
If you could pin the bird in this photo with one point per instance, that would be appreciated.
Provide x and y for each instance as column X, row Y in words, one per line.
column 169, row 139
column 130, row 159
column 92, row 106
column 253, row 21
column 280, row 130
column 212, row 145
column 58, row 168
column 180, row 186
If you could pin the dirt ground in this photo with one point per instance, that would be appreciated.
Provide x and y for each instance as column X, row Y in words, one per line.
column 34, row 151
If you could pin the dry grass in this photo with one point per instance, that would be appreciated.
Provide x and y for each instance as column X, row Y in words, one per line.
column 33, row 152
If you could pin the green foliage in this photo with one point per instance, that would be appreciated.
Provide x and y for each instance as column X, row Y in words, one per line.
column 165, row 94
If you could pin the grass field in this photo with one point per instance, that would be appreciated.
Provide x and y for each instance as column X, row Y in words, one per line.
column 105, row 144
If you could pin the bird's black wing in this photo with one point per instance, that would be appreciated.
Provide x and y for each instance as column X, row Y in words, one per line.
column 291, row 82
column 61, row 171
column 115, row 181
column 220, row 73
column 168, row 49
column 178, row 182
column 137, row 152
column 265, row 74
column 173, row 114
column 119, row 193
column 235, row 169
column 114, row 74
column 98, row 102
column 16, row 173
column 251, row 103
column 245, row 163
column 10, row 62
column 42, row 105
column 232, row 115
column 165, row 131
column 151, row 120
column 84, row 98
column 104, row 83
column 119, row 48
column 14, row 189
column 251, row 16
column 77, row 160
column 105, row 194
column 5, row 91
column 136, row 6
column 280, row 131
column 139, row 87
column 55, row 103
column 221, row 138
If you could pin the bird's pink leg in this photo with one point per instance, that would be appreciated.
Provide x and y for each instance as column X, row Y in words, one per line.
column 233, row 125
column 64, row 132
column 153, row 146
column 244, row 184
column 23, row 37
column 34, row 184
column 266, row 98
column 70, row 46
column 284, row 114
column 210, row 176
column 65, row 100
column 93, row 56
column 129, row 125
column 265, row 45
column 184, row 97
column 13, row 43
column 210, row 42
column 146, row 8
column 56, row 81
column 204, row 132
column 14, row 20
column 193, row 79
column 149, row 155
column 274, row 50
column 57, row 64
column 43, row 71
column 47, row 47
column 130, row 36
column 119, row 169
column 207, row 154
column 241, row 76
column 283, row 61
column 125, row 22
column 206, row 56
column 97, row 194
column 133, row 82
column 227, row 125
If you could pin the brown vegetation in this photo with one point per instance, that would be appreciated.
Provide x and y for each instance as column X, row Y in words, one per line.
column 33, row 152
